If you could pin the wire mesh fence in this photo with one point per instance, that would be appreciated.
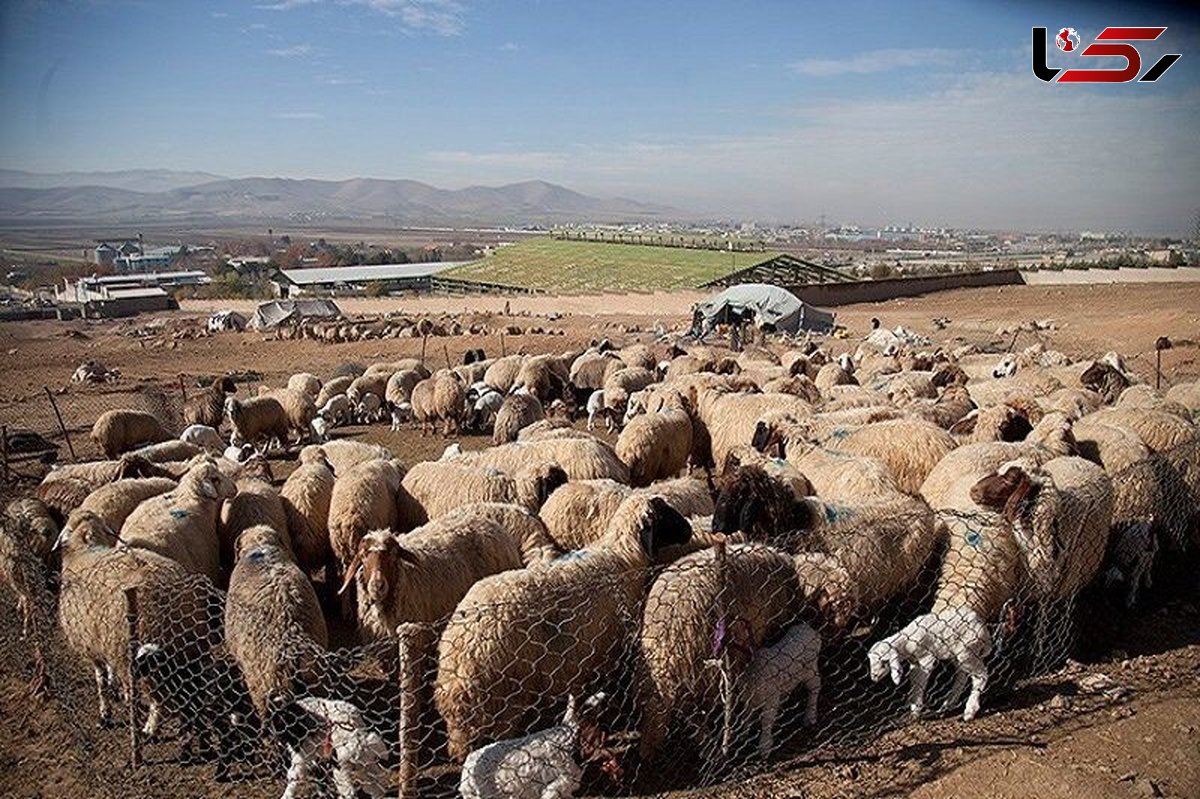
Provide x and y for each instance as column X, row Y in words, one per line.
column 662, row 666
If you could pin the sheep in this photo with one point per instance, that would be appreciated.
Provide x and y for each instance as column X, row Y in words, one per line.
column 837, row 373
column 422, row 575
column 306, row 496
column 175, row 608
column 638, row 355
column 32, row 525
column 391, row 367
column 319, row 430
column 1187, row 395
column 910, row 448
column 298, row 407
column 526, row 528
column 256, row 503
column 368, row 383
column 205, row 437
column 947, row 410
column 517, row 412
column 369, row 409
column 620, row 384
column 590, row 370
column 332, row 388
column 363, row 499
column 580, row 458
column 1143, row 396
column 66, row 487
column 119, row 431
column 167, row 451
column 503, row 372
column 258, row 419
column 439, row 398
column 727, row 420
column 544, row 377
column 208, row 407
column 799, row 386
column 401, row 413
column 958, row 635
column 845, row 397
column 833, row 475
column 114, row 502
column 997, row 423
column 578, row 513
column 518, row 638
column 271, row 610
column 1060, row 515
column 182, row 523
column 400, row 385
column 773, row 673
column 343, row 454
column 486, row 406
column 25, row 573
column 305, row 382
column 1130, row 560
column 552, row 428
column 657, row 445
column 547, row 764
column 752, row 501
column 1159, row 430
column 759, row 590
column 205, row 691
column 313, row 729
column 433, row 489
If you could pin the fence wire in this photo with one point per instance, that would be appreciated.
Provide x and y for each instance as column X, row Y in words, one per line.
column 591, row 674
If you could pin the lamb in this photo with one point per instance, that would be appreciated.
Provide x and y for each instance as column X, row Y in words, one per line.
column 773, row 673
column 119, row 431
column 433, row 489
column 1130, row 560
column 422, row 576
column 271, row 610
column 182, row 524
column 656, row 446
column 313, row 729
column 369, row 409
column 958, row 635
column 305, row 382
column 578, row 513
column 114, row 502
column 518, row 411
column 517, row 638
column 258, row 419
column 208, row 407
column 306, row 496
column 597, row 407
column 762, row 597
column 363, row 499
column 205, row 437
column 580, row 458
column 542, row 765
column 175, row 609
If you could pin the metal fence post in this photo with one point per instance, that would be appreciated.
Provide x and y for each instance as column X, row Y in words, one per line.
column 131, row 622
column 62, row 427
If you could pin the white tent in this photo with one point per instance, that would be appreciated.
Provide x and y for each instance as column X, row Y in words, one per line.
column 768, row 305
column 278, row 312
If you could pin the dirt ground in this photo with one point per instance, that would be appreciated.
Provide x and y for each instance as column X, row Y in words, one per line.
column 1050, row 739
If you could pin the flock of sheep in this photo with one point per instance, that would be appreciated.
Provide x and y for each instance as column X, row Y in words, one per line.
column 756, row 508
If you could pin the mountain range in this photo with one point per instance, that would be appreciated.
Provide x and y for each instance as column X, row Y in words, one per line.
column 148, row 195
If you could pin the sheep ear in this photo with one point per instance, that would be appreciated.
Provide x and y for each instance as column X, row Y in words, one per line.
column 995, row 490
column 664, row 527
column 407, row 555
column 209, row 488
column 351, row 573
column 761, row 437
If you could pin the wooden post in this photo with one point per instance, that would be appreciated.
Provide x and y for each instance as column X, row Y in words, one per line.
column 4, row 449
column 131, row 622
column 1160, row 344
column 424, row 343
column 503, row 351
column 62, row 427
column 446, row 352
column 182, row 388
column 416, row 642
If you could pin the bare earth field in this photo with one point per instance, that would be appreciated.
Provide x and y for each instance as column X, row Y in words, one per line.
column 1051, row 739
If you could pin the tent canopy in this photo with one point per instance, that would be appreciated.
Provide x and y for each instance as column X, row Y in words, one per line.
column 768, row 305
column 278, row 312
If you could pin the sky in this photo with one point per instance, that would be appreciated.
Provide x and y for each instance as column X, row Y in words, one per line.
column 860, row 112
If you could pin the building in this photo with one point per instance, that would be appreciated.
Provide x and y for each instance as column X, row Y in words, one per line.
column 123, row 295
column 355, row 279
column 141, row 263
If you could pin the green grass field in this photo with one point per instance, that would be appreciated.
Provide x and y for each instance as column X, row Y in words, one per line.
column 578, row 266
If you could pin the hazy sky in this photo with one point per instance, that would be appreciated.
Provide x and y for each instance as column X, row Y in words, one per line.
column 861, row 111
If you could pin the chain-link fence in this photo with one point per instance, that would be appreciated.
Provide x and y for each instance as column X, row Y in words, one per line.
column 642, row 670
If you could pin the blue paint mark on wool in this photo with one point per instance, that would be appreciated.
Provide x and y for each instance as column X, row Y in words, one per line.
column 840, row 434
column 974, row 539
column 574, row 554
column 837, row 513
column 179, row 513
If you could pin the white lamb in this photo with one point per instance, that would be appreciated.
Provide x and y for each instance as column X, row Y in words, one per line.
column 776, row 672
column 487, row 406
column 334, row 730
column 956, row 634
column 401, row 413
column 596, row 407
column 204, row 437
column 541, row 765
column 320, row 430
column 369, row 409
column 337, row 410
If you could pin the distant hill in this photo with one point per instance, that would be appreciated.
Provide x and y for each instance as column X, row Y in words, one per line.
column 559, row 266
column 287, row 199
column 145, row 180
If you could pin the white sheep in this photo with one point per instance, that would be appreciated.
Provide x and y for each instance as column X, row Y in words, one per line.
column 401, row 413
column 596, row 407
column 203, row 436
column 320, row 430
column 313, row 729
column 541, row 765
column 337, row 410
column 956, row 634
column 369, row 409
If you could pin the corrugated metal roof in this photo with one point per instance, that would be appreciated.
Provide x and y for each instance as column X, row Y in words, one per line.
column 125, row 294
column 361, row 274
column 148, row 277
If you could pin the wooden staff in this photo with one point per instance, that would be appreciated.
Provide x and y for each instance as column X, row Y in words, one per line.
column 62, row 427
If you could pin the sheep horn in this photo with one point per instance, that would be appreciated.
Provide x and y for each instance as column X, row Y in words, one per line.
column 351, row 572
